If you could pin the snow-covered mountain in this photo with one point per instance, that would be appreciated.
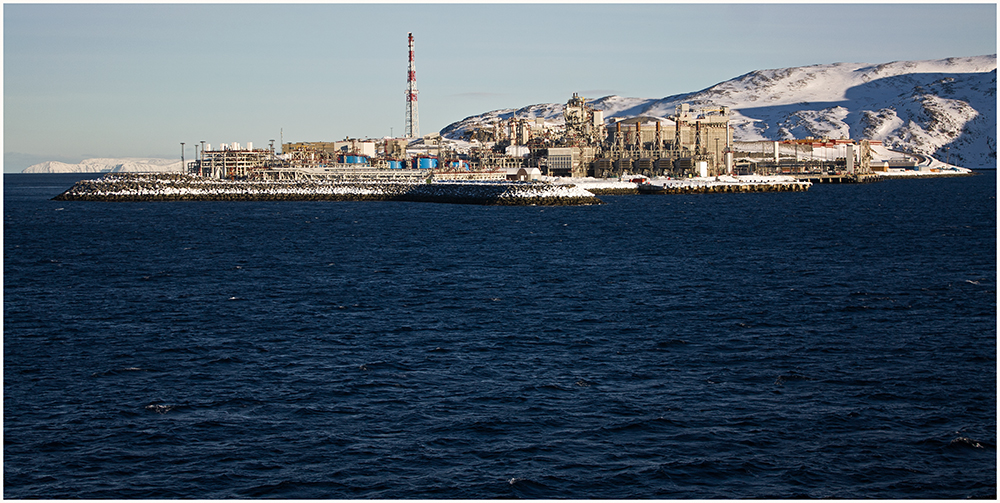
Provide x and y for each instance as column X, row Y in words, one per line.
column 132, row 164
column 944, row 108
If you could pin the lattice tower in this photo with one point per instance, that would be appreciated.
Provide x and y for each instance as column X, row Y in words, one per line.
column 412, row 121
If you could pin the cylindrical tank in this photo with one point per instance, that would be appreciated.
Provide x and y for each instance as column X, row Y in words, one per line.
column 427, row 162
column 355, row 159
column 518, row 150
column 394, row 164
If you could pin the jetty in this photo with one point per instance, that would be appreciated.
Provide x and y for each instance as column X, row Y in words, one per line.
column 725, row 184
column 838, row 177
column 146, row 187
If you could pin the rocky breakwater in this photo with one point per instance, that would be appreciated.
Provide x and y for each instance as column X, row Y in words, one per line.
column 731, row 186
column 129, row 187
column 712, row 185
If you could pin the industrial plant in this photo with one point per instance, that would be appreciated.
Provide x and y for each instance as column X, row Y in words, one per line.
column 693, row 142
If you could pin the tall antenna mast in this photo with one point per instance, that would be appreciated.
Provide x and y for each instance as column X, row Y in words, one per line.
column 412, row 121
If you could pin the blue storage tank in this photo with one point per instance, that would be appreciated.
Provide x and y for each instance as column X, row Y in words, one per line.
column 427, row 162
column 395, row 164
column 355, row 159
column 458, row 164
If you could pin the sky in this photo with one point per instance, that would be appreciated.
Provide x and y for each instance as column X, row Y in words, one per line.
column 135, row 80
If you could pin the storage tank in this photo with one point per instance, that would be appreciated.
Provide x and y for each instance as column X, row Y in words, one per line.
column 426, row 162
column 518, row 150
column 395, row 164
column 355, row 159
column 457, row 164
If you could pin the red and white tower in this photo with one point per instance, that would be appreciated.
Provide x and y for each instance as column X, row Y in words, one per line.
column 412, row 122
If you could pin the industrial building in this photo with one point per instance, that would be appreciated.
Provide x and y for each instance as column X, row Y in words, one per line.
column 233, row 161
column 691, row 142
column 585, row 144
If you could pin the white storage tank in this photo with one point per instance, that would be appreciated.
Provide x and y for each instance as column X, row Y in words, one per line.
column 518, row 150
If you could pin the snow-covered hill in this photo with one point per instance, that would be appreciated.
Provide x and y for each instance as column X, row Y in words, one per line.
column 942, row 108
column 131, row 165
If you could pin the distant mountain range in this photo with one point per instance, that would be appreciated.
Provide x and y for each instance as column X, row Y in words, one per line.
column 943, row 108
column 103, row 165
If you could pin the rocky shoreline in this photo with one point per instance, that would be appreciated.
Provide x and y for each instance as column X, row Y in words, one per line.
column 129, row 187
column 147, row 187
column 717, row 185
column 729, row 188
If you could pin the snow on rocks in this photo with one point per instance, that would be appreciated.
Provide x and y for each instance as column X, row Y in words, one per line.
column 135, row 187
column 176, row 187
column 697, row 185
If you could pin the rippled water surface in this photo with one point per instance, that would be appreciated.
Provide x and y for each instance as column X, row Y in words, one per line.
column 838, row 343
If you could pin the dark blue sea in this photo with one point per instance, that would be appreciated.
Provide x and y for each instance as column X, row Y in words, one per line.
column 836, row 343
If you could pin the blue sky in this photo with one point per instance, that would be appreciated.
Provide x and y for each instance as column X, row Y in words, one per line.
column 135, row 80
